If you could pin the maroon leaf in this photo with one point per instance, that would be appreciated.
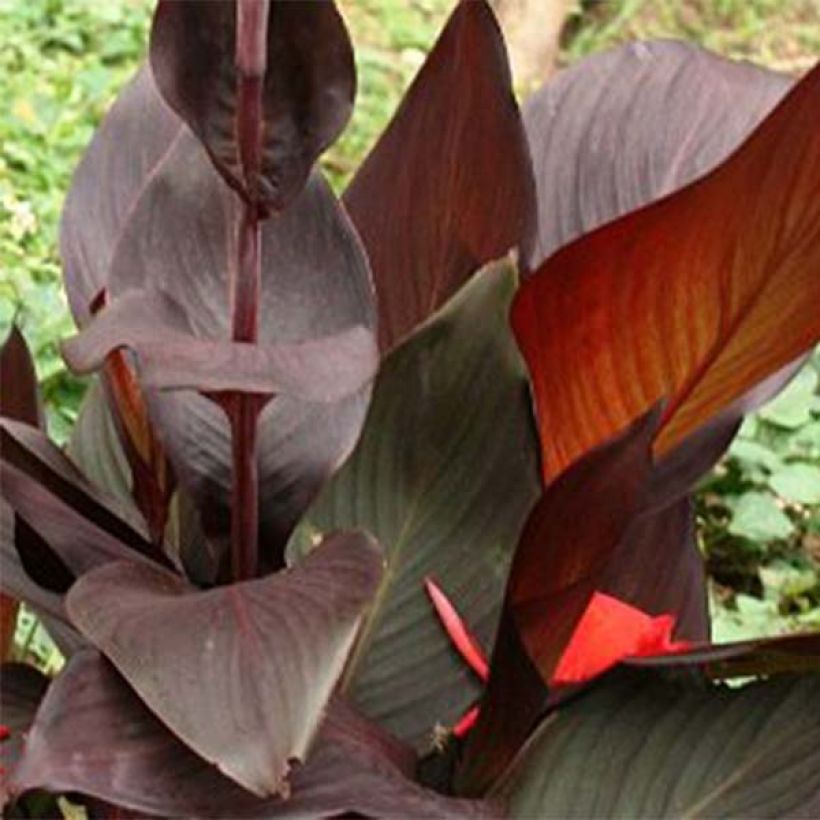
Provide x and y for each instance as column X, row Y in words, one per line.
column 759, row 656
column 169, row 356
column 94, row 736
column 73, row 509
column 21, row 689
column 628, row 126
column 562, row 556
column 80, row 543
column 18, row 400
column 448, row 186
column 18, row 381
column 303, row 89
column 29, row 570
column 134, row 136
column 658, row 568
column 677, row 471
column 315, row 283
column 245, row 682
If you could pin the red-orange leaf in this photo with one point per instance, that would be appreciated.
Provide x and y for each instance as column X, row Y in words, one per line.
column 696, row 298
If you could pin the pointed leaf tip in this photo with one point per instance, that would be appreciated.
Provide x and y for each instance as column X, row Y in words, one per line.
column 306, row 93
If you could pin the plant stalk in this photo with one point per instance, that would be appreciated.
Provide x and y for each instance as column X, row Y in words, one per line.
column 243, row 409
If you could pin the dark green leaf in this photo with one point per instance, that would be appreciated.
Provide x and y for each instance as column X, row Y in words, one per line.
column 643, row 746
column 443, row 476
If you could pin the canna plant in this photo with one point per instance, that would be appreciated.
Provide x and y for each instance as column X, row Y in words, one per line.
column 381, row 506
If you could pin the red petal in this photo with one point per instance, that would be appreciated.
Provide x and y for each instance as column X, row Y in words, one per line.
column 463, row 640
column 466, row 723
column 610, row 631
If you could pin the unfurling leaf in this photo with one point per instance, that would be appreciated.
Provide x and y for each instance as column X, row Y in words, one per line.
column 305, row 91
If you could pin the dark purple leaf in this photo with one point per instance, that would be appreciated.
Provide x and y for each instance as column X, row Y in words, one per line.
column 169, row 356
column 315, row 284
column 134, row 136
column 56, row 500
column 628, row 126
column 29, row 570
column 443, row 476
column 30, row 451
column 799, row 652
column 19, row 400
column 245, row 679
column 94, row 736
column 658, row 569
column 80, row 543
column 448, row 186
column 677, row 471
column 639, row 745
column 18, row 381
column 561, row 558
column 21, row 689
column 305, row 94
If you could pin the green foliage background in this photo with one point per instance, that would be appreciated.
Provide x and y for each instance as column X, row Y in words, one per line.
column 62, row 63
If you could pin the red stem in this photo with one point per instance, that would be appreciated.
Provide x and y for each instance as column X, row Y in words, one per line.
column 243, row 409
column 243, row 416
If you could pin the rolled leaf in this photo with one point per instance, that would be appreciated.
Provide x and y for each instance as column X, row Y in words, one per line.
column 561, row 558
column 245, row 683
column 697, row 298
column 304, row 90
column 448, row 186
column 642, row 746
column 443, row 476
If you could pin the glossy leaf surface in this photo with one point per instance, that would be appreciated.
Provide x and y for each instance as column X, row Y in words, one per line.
column 696, row 298
column 448, row 186
column 245, row 682
column 642, row 746
column 444, row 476
column 306, row 94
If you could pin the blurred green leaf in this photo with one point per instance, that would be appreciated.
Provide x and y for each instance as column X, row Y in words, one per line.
column 756, row 516
column 797, row 483
column 792, row 408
